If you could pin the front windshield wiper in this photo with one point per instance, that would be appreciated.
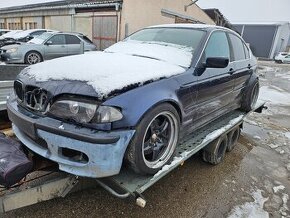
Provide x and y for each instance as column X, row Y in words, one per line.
column 144, row 56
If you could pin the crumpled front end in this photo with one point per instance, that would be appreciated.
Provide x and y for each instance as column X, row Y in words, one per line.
column 77, row 150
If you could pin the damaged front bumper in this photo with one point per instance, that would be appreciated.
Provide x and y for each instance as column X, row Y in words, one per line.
column 78, row 151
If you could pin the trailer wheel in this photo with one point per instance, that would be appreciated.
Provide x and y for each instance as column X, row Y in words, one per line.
column 155, row 140
column 215, row 152
column 233, row 138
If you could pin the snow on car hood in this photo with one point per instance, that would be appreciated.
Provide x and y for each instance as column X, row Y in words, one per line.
column 171, row 53
column 104, row 71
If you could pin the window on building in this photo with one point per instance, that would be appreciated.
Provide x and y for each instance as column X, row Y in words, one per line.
column 72, row 40
column 238, row 47
column 217, row 46
column 30, row 25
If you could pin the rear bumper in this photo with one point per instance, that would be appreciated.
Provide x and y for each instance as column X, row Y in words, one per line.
column 95, row 154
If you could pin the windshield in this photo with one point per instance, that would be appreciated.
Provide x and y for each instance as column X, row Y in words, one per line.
column 178, row 36
column 172, row 45
column 41, row 38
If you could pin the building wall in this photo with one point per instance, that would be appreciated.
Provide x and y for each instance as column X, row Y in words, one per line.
column 61, row 23
column 281, row 40
column 266, row 40
column 137, row 14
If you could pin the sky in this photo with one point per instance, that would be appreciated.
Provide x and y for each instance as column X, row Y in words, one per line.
column 12, row 3
column 251, row 10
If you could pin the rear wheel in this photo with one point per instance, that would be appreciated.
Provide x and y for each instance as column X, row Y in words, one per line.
column 251, row 96
column 33, row 57
column 155, row 140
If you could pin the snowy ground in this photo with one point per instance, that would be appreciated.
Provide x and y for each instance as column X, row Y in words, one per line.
column 252, row 182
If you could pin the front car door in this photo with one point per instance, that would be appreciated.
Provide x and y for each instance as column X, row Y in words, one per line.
column 73, row 44
column 242, row 65
column 55, row 47
column 215, row 85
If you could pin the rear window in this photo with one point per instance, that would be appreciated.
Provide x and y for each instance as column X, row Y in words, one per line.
column 238, row 47
column 86, row 39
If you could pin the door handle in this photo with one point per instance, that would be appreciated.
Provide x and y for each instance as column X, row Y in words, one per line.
column 231, row 72
column 249, row 66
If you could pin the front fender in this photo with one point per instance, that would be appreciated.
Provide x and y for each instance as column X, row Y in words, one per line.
column 137, row 102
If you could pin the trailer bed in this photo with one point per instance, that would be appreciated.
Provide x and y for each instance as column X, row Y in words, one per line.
column 46, row 185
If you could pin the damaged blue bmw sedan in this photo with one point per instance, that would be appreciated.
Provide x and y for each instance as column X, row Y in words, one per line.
column 132, row 102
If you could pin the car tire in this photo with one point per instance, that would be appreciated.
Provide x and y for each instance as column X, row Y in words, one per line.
column 233, row 138
column 33, row 57
column 215, row 152
column 250, row 97
column 155, row 140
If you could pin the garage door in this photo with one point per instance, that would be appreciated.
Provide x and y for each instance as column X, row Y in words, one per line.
column 105, row 31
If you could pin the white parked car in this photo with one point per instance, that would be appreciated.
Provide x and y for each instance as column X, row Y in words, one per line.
column 282, row 57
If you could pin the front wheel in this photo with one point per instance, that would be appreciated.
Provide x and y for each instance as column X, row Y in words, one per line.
column 32, row 57
column 155, row 141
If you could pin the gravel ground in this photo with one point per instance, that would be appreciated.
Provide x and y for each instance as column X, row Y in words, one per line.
column 253, row 180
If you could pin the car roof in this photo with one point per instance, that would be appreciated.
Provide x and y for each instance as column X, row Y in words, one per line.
column 192, row 26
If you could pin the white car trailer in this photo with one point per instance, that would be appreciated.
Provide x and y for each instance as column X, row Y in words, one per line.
column 47, row 184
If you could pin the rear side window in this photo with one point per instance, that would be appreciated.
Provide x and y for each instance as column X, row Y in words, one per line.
column 238, row 48
column 37, row 33
column 218, row 46
column 72, row 40
column 58, row 40
column 247, row 53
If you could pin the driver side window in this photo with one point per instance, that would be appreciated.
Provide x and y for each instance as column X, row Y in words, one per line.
column 58, row 40
column 217, row 46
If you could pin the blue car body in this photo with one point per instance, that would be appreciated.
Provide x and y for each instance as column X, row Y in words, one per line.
column 198, row 95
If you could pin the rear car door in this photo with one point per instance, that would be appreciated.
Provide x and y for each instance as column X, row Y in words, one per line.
column 55, row 47
column 73, row 44
column 242, row 65
column 215, row 85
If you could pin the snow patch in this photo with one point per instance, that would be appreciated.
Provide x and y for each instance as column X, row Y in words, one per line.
column 104, row 71
column 251, row 209
column 278, row 188
column 220, row 131
column 176, row 160
column 287, row 134
column 274, row 96
column 171, row 53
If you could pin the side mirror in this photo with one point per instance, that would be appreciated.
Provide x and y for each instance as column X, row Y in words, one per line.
column 48, row 43
column 216, row 62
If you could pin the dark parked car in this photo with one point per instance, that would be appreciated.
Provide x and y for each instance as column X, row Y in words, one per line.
column 134, row 100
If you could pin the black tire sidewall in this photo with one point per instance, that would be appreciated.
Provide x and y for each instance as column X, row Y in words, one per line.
column 134, row 151
column 248, row 97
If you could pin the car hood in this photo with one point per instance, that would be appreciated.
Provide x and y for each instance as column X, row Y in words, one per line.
column 105, row 72
column 7, row 47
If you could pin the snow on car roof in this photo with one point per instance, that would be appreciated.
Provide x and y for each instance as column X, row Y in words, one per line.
column 104, row 71
column 189, row 25
column 25, row 33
